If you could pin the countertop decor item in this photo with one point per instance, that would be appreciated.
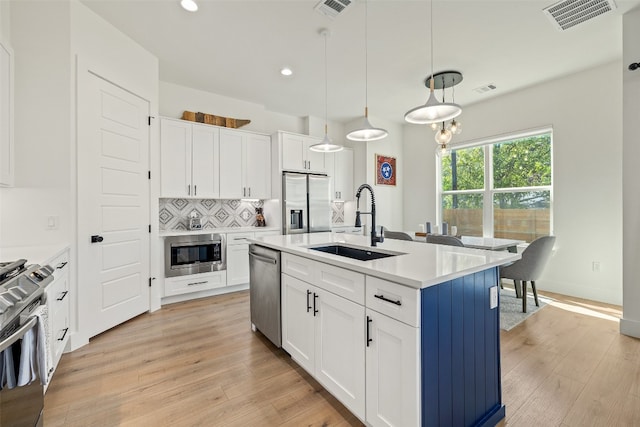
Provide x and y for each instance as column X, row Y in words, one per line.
column 260, row 221
column 211, row 119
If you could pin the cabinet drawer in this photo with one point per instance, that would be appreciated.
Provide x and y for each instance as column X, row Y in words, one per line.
column 299, row 267
column 194, row 283
column 60, row 264
column 239, row 238
column 345, row 283
column 58, row 295
column 396, row 301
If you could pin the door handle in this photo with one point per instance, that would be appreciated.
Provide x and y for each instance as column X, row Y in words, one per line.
column 308, row 305
column 369, row 339
column 315, row 296
column 96, row 238
column 188, row 189
column 195, row 190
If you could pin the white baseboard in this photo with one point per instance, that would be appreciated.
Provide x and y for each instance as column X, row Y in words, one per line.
column 630, row 327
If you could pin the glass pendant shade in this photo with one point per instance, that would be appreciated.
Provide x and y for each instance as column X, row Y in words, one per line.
column 443, row 136
column 367, row 132
column 455, row 127
column 433, row 111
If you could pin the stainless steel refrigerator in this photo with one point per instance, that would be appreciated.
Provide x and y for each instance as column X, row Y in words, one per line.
column 306, row 203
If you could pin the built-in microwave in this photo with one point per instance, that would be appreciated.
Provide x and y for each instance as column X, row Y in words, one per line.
column 191, row 254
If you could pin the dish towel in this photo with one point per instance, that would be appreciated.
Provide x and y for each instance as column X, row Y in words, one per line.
column 8, row 379
column 28, row 362
column 45, row 360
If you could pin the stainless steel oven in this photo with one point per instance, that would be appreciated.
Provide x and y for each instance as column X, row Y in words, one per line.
column 191, row 254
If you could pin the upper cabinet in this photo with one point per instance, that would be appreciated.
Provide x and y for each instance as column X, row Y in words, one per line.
column 340, row 169
column 6, row 116
column 189, row 156
column 294, row 153
column 245, row 165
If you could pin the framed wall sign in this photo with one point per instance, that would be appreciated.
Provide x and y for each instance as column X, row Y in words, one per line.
column 385, row 170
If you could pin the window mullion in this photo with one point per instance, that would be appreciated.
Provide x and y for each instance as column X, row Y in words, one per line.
column 487, row 210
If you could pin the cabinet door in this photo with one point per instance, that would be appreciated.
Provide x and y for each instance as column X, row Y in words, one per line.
column 257, row 166
column 339, row 350
column 393, row 372
column 292, row 152
column 175, row 158
column 343, row 170
column 298, row 321
column 329, row 163
column 205, row 161
column 231, row 185
column 315, row 159
column 237, row 264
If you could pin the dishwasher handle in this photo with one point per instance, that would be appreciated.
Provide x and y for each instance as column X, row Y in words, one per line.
column 263, row 258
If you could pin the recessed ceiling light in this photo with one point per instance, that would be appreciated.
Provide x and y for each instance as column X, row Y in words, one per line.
column 189, row 5
column 286, row 71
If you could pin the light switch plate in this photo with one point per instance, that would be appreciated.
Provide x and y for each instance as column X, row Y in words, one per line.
column 493, row 297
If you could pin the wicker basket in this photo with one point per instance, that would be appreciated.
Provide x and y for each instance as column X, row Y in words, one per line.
column 211, row 119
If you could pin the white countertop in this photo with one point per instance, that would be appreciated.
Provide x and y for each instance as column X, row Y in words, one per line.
column 421, row 265
column 33, row 254
column 168, row 233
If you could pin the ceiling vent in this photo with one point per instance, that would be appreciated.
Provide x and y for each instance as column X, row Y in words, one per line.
column 569, row 13
column 332, row 8
column 486, row 88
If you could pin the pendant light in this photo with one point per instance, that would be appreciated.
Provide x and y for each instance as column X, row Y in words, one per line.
column 326, row 146
column 433, row 111
column 366, row 132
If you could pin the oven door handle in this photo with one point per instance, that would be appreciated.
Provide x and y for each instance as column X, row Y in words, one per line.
column 10, row 340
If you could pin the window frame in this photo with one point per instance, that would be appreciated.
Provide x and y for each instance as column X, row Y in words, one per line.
column 489, row 191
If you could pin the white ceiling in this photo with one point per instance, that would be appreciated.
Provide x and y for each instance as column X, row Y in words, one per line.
column 236, row 48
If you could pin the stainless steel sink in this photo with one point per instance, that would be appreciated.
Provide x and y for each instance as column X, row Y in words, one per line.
column 355, row 253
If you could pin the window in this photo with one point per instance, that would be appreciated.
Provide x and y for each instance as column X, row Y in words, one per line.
column 499, row 188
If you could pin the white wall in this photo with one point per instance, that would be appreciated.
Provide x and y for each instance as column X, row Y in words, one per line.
column 585, row 110
column 40, row 39
column 630, row 323
column 5, row 35
column 389, row 199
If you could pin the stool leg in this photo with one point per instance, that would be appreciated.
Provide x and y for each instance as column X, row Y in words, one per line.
column 535, row 292
column 524, row 296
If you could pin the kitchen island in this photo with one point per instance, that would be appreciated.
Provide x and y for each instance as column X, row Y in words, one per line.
column 409, row 339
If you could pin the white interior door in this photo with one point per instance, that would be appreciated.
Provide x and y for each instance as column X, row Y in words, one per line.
column 113, row 203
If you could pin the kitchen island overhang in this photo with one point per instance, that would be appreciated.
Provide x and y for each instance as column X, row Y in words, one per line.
column 455, row 377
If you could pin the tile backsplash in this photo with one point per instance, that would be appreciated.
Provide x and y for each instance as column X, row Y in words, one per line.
column 174, row 213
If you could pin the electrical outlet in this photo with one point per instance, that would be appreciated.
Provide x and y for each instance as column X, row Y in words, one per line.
column 493, row 297
column 595, row 266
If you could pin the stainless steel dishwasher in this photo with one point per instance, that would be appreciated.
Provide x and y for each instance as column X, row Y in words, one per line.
column 264, row 292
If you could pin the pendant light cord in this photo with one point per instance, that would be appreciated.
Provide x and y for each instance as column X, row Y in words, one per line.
column 326, row 86
column 366, row 59
column 431, row 38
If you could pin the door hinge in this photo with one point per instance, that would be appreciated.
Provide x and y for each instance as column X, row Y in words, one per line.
column 149, row 228
column 149, row 174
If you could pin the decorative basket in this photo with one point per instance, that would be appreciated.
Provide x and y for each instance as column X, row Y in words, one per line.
column 211, row 119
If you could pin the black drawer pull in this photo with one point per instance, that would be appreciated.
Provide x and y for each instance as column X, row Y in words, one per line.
column 61, row 266
column 388, row 300
column 197, row 283
column 64, row 334
column 61, row 297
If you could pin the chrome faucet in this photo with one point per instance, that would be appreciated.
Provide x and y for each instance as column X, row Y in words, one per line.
column 374, row 237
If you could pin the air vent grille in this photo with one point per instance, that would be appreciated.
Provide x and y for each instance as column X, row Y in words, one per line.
column 569, row 13
column 486, row 88
column 332, row 8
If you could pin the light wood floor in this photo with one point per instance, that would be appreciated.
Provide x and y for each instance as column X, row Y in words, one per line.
column 198, row 364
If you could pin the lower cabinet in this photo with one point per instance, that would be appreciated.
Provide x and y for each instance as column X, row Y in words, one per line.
column 238, row 258
column 325, row 334
column 57, row 300
column 194, row 283
column 393, row 383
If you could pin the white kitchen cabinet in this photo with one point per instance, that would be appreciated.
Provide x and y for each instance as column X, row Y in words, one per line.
column 339, row 166
column 6, row 116
column 238, row 258
column 194, row 283
column 392, row 372
column 295, row 155
column 57, row 300
column 189, row 155
column 324, row 332
column 245, row 165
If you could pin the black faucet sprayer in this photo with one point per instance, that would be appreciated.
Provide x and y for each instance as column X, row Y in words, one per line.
column 374, row 237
